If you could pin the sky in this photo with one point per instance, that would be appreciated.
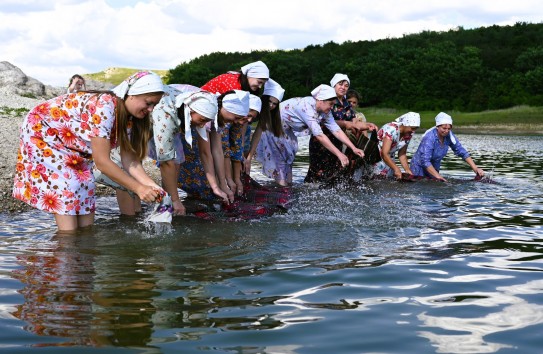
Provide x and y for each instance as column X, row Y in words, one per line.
column 52, row 40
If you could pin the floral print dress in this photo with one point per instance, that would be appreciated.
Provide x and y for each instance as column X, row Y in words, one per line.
column 54, row 161
column 392, row 131
column 299, row 117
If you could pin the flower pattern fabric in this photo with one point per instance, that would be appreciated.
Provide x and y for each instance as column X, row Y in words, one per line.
column 54, row 161
column 166, row 142
column 391, row 131
column 299, row 117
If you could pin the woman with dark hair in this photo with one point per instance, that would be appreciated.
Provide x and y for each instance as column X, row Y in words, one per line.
column 303, row 116
column 77, row 83
column 63, row 138
column 250, row 78
column 269, row 121
column 322, row 162
column 232, row 105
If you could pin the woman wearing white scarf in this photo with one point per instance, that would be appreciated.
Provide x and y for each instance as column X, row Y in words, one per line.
column 181, row 108
column 433, row 147
column 233, row 106
column 394, row 137
column 269, row 122
column 73, row 143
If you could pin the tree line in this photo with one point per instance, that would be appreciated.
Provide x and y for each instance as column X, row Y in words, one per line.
column 461, row 69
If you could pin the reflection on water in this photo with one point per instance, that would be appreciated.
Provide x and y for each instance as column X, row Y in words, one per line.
column 389, row 267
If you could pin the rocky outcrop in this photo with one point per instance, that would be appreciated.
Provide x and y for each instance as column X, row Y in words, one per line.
column 13, row 81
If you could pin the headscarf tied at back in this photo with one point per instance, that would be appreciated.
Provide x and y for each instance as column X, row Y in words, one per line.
column 323, row 92
column 272, row 88
column 257, row 70
column 201, row 102
column 237, row 103
column 139, row 83
column 410, row 119
column 442, row 118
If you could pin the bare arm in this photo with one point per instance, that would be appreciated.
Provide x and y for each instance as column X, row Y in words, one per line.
column 477, row 170
column 169, row 172
column 207, row 161
column 254, row 143
column 402, row 156
column 218, row 162
column 385, row 155
column 100, row 152
column 323, row 139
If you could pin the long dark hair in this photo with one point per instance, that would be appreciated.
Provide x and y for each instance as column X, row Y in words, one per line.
column 270, row 119
column 244, row 82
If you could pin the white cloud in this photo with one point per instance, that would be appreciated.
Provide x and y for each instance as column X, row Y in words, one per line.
column 51, row 41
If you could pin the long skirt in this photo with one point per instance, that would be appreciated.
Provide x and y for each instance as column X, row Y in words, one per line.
column 277, row 154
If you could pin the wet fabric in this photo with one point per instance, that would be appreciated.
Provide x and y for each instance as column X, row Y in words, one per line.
column 163, row 210
column 359, row 167
column 258, row 201
column 322, row 163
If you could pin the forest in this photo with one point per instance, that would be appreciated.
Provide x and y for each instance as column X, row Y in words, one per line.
column 461, row 69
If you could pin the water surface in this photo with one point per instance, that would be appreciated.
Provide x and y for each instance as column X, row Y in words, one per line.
column 389, row 267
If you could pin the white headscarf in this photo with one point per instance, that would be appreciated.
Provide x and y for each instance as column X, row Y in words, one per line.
column 410, row 119
column 442, row 118
column 323, row 92
column 139, row 83
column 255, row 103
column 338, row 78
column 202, row 102
column 257, row 70
column 237, row 103
column 272, row 88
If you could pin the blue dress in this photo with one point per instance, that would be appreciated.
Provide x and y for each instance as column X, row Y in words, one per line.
column 430, row 152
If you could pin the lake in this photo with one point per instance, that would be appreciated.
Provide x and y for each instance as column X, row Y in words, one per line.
column 422, row 267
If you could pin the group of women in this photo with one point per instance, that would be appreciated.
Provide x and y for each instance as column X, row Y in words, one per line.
column 201, row 142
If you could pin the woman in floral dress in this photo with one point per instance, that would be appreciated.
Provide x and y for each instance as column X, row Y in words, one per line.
column 232, row 106
column 394, row 137
column 182, row 109
column 322, row 162
column 302, row 116
column 61, row 139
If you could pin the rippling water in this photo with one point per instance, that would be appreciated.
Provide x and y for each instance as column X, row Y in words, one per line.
column 421, row 267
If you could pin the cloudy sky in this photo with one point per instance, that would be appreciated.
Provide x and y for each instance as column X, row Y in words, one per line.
column 52, row 40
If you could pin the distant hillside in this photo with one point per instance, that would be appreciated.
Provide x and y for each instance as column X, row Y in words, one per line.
column 471, row 70
column 117, row 75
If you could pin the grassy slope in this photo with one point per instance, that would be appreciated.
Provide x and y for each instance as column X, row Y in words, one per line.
column 117, row 75
column 525, row 117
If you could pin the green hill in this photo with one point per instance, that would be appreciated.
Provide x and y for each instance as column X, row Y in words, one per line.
column 117, row 75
